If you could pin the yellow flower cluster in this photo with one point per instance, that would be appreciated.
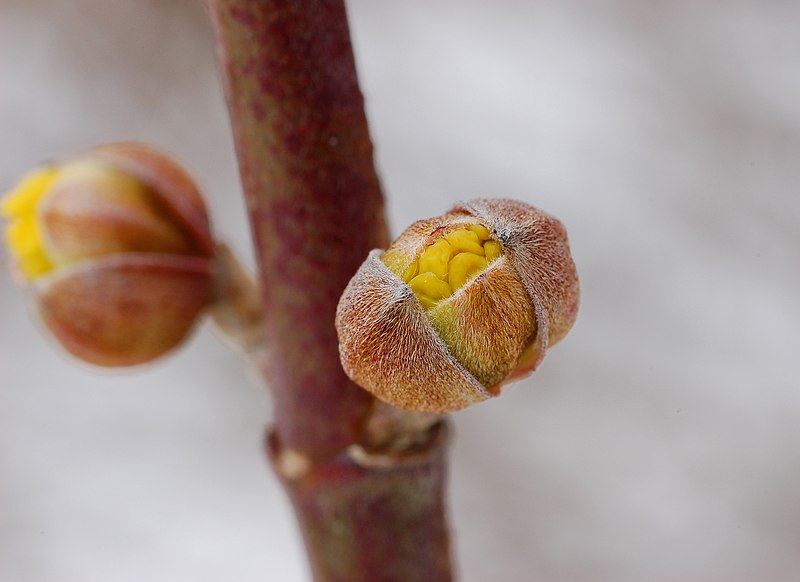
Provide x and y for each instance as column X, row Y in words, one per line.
column 458, row 306
column 450, row 262
column 23, row 233
column 118, row 243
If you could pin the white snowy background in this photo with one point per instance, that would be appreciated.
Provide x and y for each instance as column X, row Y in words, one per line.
column 660, row 441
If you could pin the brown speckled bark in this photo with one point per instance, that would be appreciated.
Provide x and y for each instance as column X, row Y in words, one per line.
column 316, row 208
column 373, row 517
column 316, row 211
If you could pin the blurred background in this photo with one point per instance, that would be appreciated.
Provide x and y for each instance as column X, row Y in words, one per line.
column 660, row 441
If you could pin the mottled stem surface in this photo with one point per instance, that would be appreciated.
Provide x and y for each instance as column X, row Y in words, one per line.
column 367, row 484
column 314, row 198
column 368, row 517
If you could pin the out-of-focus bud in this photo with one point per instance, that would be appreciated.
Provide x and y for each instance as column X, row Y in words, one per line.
column 117, row 247
column 458, row 306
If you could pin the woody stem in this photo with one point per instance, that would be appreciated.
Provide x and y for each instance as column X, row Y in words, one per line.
column 316, row 209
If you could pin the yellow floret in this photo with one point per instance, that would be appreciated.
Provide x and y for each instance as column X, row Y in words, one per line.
column 411, row 271
column 464, row 267
column 465, row 240
column 23, row 235
column 447, row 264
column 430, row 289
column 480, row 230
column 435, row 258
column 21, row 202
column 492, row 249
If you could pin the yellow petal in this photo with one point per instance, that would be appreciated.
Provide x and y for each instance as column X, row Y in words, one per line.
column 480, row 230
column 35, row 263
column 23, row 235
column 429, row 288
column 435, row 258
column 411, row 271
column 21, row 202
column 493, row 250
column 464, row 267
column 465, row 240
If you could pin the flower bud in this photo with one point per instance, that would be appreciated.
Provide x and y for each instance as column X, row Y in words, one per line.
column 117, row 247
column 458, row 305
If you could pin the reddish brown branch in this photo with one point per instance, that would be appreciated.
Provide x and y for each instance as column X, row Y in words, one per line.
column 366, row 480
column 305, row 158
column 373, row 517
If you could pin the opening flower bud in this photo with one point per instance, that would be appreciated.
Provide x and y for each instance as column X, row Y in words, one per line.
column 458, row 306
column 117, row 247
